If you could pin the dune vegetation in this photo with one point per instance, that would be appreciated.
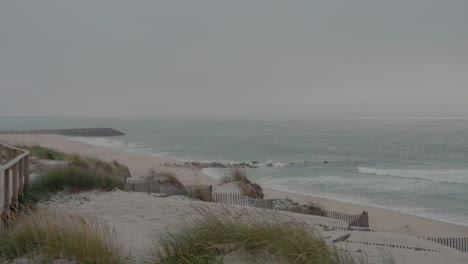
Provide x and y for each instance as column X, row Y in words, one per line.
column 45, row 235
column 43, row 152
column 71, row 179
column 213, row 236
column 246, row 187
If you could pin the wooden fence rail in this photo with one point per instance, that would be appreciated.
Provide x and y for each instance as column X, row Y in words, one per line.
column 14, row 176
column 459, row 243
column 239, row 199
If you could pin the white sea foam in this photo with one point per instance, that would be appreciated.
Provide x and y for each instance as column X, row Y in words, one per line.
column 215, row 173
column 452, row 176
column 429, row 213
column 102, row 142
column 116, row 144
column 272, row 164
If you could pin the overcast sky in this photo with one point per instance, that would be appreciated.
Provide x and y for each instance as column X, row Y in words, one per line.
column 234, row 58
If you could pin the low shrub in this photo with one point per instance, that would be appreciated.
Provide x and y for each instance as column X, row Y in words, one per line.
column 48, row 235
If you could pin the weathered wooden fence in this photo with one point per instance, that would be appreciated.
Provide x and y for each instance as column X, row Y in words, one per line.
column 14, row 175
column 360, row 220
column 135, row 185
column 157, row 187
column 459, row 243
column 239, row 199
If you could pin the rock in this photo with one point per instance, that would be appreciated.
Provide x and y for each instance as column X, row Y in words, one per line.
column 269, row 164
column 255, row 162
column 216, row 164
column 325, row 162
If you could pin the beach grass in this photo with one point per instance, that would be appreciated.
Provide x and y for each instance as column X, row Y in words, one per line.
column 169, row 177
column 245, row 185
column 199, row 194
column 71, row 179
column 237, row 175
column 91, row 163
column 210, row 237
column 43, row 152
column 49, row 234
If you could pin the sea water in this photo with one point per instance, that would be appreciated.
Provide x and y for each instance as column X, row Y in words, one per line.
column 417, row 166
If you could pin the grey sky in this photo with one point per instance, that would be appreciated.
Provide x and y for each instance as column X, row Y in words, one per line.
column 236, row 58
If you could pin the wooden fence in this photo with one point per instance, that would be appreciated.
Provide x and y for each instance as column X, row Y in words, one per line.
column 360, row 220
column 157, row 187
column 14, row 176
column 459, row 243
column 239, row 199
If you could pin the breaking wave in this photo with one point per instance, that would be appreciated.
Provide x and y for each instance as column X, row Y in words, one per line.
column 450, row 175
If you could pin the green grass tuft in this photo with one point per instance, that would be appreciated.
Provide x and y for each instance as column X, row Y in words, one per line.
column 209, row 237
column 73, row 179
column 43, row 152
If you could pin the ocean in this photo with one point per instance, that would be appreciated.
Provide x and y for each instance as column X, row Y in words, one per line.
column 417, row 166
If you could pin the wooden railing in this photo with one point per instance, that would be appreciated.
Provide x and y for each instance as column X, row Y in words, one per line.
column 14, row 175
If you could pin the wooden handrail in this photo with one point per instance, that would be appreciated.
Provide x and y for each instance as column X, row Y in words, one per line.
column 15, row 175
column 16, row 159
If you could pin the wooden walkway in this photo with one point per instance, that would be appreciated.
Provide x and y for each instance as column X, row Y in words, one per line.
column 14, row 175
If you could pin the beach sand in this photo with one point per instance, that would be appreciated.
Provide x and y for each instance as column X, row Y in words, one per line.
column 134, row 215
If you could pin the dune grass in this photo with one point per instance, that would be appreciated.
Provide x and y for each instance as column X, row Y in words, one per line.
column 48, row 234
column 246, row 187
column 208, row 238
column 199, row 194
column 72, row 179
column 169, row 177
column 237, row 175
column 43, row 152
column 114, row 168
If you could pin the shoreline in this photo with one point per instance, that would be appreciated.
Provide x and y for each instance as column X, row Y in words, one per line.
column 139, row 164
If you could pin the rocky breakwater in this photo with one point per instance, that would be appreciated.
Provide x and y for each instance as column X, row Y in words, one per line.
column 73, row 132
column 215, row 164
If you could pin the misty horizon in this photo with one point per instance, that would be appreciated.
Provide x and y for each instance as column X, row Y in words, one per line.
column 242, row 59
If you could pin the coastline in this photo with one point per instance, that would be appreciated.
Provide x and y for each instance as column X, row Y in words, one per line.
column 140, row 164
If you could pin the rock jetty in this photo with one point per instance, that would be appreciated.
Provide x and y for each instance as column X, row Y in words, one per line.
column 74, row 132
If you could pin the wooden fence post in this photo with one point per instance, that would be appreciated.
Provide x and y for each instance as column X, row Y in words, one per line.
column 14, row 198
column 26, row 171
column 6, row 189
column 20, row 178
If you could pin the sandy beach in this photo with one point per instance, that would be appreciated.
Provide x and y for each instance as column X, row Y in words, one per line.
column 133, row 214
column 140, row 164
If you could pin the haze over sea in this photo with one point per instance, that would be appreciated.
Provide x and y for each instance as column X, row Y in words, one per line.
column 417, row 166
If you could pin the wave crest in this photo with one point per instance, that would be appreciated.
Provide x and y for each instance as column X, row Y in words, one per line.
column 450, row 176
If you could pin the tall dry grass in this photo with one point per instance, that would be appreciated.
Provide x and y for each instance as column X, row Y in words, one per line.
column 49, row 234
column 208, row 238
